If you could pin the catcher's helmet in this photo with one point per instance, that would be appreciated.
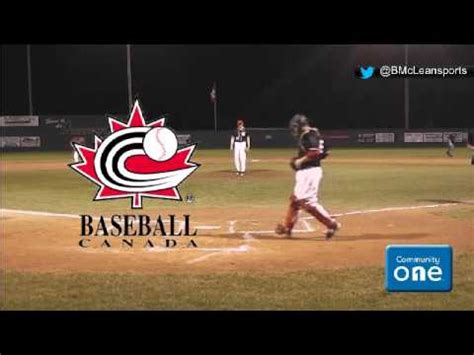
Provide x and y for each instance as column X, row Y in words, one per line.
column 297, row 123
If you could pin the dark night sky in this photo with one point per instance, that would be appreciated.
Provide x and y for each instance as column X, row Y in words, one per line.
column 265, row 84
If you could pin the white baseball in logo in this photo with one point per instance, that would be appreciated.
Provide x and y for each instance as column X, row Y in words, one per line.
column 160, row 144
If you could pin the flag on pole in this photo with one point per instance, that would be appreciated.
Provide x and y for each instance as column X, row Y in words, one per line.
column 213, row 94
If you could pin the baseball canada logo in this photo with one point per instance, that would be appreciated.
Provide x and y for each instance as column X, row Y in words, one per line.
column 136, row 160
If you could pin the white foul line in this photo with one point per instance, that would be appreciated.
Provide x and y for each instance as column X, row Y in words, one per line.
column 232, row 223
column 247, row 235
column 38, row 213
column 389, row 209
column 75, row 216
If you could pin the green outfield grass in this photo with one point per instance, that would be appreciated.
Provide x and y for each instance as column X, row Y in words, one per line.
column 345, row 186
column 360, row 288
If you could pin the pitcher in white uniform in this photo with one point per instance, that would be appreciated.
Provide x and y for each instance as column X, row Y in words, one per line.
column 240, row 144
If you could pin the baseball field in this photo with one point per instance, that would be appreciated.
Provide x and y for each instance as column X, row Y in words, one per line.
column 382, row 196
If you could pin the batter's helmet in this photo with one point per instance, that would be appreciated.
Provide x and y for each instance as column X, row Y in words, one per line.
column 297, row 123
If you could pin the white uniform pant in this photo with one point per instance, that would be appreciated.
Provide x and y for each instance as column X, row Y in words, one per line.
column 240, row 156
column 77, row 158
column 307, row 188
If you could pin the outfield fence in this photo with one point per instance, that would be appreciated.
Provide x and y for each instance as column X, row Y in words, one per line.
column 57, row 133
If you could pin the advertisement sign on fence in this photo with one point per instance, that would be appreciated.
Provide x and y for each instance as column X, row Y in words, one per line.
column 385, row 137
column 20, row 142
column 30, row 142
column 433, row 137
column 457, row 136
column 413, row 137
column 10, row 142
column 19, row 121
column 366, row 137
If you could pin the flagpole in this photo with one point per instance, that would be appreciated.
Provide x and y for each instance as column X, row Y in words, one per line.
column 30, row 90
column 214, row 101
column 215, row 115
column 129, row 77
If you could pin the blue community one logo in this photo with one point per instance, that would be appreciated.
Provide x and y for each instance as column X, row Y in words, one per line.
column 365, row 73
column 418, row 268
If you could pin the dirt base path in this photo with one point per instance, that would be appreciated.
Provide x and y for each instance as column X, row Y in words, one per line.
column 228, row 241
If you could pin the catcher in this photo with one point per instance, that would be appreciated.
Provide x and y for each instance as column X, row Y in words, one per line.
column 308, row 176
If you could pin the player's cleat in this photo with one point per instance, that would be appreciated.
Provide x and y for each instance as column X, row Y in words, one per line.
column 281, row 229
column 330, row 232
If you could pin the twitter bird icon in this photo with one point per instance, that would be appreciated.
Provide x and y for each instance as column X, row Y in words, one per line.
column 366, row 73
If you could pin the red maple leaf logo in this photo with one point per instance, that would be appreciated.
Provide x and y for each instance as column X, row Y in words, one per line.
column 124, row 166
